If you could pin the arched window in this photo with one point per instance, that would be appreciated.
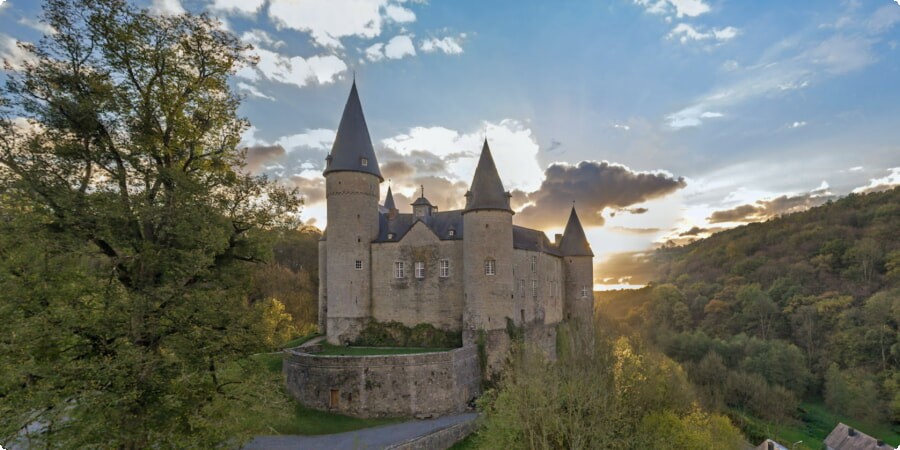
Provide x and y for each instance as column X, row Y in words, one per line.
column 490, row 266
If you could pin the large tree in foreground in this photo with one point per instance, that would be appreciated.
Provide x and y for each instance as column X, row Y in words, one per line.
column 126, row 223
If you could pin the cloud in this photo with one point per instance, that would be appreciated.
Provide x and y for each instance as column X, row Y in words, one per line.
column 681, row 8
column 889, row 181
column 399, row 46
column 694, row 231
column 841, row 54
column 38, row 25
column 685, row 33
column 166, row 8
column 449, row 45
column 769, row 208
column 253, row 91
column 399, row 14
column 312, row 189
column 317, row 139
column 294, row 70
column 622, row 127
column 625, row 268
column 260, row 37
column 330, row 21
column 259, row 155
column 242, row 7
column 594, row 186
column 13, row 55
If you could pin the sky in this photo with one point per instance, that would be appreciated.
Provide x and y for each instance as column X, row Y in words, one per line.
column 663, row 120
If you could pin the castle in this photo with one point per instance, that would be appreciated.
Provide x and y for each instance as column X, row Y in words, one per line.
column 471, row 271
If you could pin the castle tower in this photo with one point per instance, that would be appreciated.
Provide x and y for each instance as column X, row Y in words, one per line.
column 352, row 181
column 578, row 305
column 488, row 260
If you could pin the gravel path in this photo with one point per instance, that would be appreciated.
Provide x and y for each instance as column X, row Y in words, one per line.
column 366, row 439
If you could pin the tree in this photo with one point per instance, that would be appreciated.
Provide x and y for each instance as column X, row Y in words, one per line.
column 119, row 162
column 758, row 308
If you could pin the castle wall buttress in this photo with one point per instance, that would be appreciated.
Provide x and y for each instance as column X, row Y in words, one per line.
column 489, row 298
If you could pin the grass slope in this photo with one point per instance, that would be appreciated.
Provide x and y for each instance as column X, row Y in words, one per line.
column 817, row 422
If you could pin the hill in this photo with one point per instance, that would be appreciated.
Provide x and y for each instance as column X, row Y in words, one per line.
column 801, row 307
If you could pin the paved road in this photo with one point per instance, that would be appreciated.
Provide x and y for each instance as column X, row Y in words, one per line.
column 367, row 439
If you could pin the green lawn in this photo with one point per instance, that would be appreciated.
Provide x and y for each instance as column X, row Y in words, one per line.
column 466, row 444
column 299, row 341
column 816, row 423
column 336, row 350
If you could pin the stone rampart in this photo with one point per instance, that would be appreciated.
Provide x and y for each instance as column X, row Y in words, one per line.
column 412, row 385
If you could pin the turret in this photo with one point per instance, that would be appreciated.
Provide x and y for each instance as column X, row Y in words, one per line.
column 488, row 257
column 578, row 258
column 389, row 206
column 352, row 179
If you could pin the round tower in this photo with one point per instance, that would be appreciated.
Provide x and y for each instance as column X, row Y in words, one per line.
column 578, row 265
column 488, row 261
column 352, row 179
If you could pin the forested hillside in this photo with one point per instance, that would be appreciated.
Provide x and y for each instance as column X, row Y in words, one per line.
column 805, row 306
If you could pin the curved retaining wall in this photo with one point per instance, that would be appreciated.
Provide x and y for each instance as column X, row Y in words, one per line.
column 415, row 385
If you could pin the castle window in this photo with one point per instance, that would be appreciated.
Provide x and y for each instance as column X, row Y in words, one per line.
column 490, row 267
column 364, row 162
column 399, row 269
column 534, row 288
column 390, row 235
column 584, row 291
column 358, row 264
column 533, row 264
column 445, row 268
column 451, row 233
column 420, row 269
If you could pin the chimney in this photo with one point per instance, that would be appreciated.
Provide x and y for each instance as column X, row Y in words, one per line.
column 556, row 239
column 851, row 431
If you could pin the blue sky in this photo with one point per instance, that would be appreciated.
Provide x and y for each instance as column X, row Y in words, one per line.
column 708, row 113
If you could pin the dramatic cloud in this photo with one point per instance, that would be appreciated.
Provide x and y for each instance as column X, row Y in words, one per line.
column 259, row 155
column 880, row 184
column 448, row 45
column 767, row 209
column 593, row 186
column 512, row 145
column 681, row 8
column 242, row 7
column 312, row 189
column 329, row 21
column 166, row 7
column 294, row 70
column 684, row 33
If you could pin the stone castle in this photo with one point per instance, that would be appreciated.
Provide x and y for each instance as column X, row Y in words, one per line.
column 470, row 271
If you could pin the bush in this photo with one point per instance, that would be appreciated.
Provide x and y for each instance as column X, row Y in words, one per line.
column 395, row 334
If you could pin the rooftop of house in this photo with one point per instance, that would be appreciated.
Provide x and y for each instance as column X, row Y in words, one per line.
column 844, row 437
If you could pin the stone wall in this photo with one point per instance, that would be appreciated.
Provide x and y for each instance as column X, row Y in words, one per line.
column 414, row 385
column 549, row 281
column 439, row 439
column 410, row 300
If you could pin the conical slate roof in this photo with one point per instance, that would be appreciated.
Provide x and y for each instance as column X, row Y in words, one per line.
column 352, row 146
column 574, row 242
column 487, row 190
column 389, row 200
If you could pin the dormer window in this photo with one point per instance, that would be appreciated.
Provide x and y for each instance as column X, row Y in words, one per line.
column 390, row 235
column 364, row 162
column 451, row 233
